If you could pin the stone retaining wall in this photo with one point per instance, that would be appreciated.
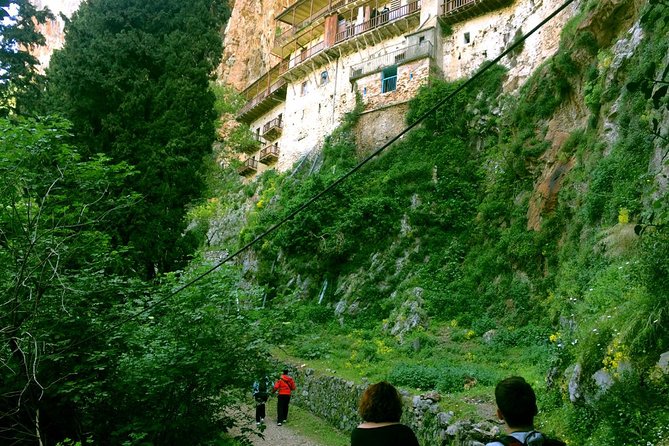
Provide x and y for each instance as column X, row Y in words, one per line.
column 336, row 401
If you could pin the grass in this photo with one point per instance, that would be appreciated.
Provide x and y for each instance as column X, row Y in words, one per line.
column 315, row 429
column 444, row 358
column 301, row 422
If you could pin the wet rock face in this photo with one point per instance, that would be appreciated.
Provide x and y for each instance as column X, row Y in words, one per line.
column 409, row 316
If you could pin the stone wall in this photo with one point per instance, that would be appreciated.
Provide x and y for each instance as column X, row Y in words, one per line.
column 375, row 128
column 410, row 77
column 336, row 400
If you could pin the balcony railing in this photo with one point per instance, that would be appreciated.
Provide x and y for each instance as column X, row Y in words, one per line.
column 269, row 85
column 272, row 129
column 454, row 10
column 306, row 54
column 383, row 18
column 290, row 33
column 269, row 154
column 262, row 95
column 397, row 57
column 249, row 166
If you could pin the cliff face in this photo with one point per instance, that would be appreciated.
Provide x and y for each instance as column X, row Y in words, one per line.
column 53, row 30
column 248, row 41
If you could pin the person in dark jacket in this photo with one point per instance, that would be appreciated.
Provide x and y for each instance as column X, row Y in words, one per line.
column 260, row 395
column 284, row 386
column 517, row 407
column 381, row 409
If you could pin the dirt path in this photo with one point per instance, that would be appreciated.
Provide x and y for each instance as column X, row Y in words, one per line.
column 273, row 435
column 282, row 436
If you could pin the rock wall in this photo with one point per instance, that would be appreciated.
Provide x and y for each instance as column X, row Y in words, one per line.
column 336, row 400
column 53, row 30
column 376, row 128
column 248, row 39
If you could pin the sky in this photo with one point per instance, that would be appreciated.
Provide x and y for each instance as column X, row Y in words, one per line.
column 13, row 10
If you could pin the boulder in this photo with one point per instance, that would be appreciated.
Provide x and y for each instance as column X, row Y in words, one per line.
column 663, row 363
column 574, row 383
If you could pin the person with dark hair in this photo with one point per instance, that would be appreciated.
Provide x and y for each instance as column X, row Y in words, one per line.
column 284, row 385
column 381, row 409
column 260, row 395
column 517, row 407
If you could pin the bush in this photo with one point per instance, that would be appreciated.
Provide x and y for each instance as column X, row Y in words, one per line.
column 414, row 375
column 453, row 379
column 525, row 336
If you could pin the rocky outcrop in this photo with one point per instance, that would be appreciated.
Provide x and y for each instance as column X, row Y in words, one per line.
column 53, row 30
column 248, row 39
column 604, row 23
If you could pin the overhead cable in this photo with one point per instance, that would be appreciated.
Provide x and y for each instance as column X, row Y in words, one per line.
column 329, row 188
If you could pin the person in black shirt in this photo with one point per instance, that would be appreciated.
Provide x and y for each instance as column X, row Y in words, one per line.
column 381, row 409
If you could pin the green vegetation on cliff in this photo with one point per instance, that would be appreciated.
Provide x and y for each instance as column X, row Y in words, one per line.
column 541, row 215
column 510, row 233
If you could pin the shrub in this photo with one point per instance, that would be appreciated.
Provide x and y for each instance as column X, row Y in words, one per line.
column 414, row 375
column 454, row 379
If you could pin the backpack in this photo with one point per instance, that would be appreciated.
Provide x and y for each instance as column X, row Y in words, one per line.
column 510, row 440
column 260, row 391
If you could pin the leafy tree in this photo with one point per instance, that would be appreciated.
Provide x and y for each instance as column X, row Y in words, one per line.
column 57, row 276
column 185, row 362
column 134, row 79
column 20, row 80
column 82, row 356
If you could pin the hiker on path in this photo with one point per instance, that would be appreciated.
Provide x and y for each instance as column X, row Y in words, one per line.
column 381, row 409
column 284, row 386
column 517, row 407
column 260, row 395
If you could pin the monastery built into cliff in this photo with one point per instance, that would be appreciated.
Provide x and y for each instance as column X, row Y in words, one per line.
column 382, row 51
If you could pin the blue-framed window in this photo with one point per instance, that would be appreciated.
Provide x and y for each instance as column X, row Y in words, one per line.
column 389, row 79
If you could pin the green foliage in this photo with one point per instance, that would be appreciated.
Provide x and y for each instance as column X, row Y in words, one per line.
column 227, row 99
column 524, row 336
column 414, row 375
column 59, row 276
column 445, row 378
column 134, row 79
column 631, row 412
column 243, row 140
column 185, row 362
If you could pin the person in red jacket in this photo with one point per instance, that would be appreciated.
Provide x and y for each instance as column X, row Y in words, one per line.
column 284, row 386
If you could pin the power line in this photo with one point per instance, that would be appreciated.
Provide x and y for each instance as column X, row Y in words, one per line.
column 332, row 186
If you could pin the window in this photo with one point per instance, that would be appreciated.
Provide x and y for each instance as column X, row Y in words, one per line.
column 421, row 39
column 389, row 79
column 467, row 38
column 303, row 90
column 324, row 77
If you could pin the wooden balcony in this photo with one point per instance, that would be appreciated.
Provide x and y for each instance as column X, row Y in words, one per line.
column 453, row 11
column 384, row 18
column 250, row 166
column 394, row 22
column 264, row 94
column 297, row 67
column 272, row 129
column 269, row 154
column 308, row 17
